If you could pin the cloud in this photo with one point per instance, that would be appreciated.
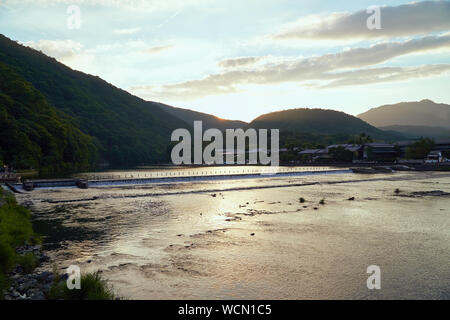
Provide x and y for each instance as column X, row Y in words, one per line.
column 126, row 31
column 158, row 49
column 238, row 62
column 329, row 67
column 69, row 52
column 58, row 49
column 379, row 75
column 147, row 5
column 404, row 20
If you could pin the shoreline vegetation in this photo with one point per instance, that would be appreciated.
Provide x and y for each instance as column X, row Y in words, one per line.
column 21, row 254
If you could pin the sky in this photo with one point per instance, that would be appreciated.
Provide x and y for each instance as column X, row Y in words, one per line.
column 240, row 59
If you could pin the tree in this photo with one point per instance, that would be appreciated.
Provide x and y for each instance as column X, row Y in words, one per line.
column 420, row 149
column 363, row 138
column 340, row 154
column 34, row 135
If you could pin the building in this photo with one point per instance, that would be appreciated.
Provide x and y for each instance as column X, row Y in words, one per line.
column 355, row 149
column 434, row 157
column 379, row 151
column 368, row 151
column 442, row 145
column 7, row 174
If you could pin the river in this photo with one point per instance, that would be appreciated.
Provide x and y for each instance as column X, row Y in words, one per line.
column 253, row 238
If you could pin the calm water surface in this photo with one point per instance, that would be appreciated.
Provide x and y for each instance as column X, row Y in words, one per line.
column 252, row 238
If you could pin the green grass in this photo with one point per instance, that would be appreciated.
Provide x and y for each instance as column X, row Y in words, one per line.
column 15, row 230
column 93, row 287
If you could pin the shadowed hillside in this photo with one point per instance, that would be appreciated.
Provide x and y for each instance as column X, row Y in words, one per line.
column 32, row 132
column 128, row 130
column 420, row 131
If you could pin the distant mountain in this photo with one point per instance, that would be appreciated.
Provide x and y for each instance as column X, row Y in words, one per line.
column 414, row 132
column 126, row 129
column 421, row 113
column 319, row 121
column 319, row 126
column 208, row 120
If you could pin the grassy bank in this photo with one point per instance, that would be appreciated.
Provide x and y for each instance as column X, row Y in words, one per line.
column 92, row 287
column 16, row 230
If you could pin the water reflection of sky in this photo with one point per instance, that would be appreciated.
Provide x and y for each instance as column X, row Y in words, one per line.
column 232, row 239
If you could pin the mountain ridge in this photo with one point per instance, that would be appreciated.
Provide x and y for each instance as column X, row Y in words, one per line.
column 208, row 120
column 309, row 127
column 413, row 113
column 315, row 120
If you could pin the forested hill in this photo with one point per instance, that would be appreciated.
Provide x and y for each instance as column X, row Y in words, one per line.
column 33, row 135
column 319, row 126
column 127, row 130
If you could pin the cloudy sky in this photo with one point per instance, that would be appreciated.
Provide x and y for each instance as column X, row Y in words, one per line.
column 239, row 59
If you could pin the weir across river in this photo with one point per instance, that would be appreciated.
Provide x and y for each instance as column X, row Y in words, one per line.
column 175, row 176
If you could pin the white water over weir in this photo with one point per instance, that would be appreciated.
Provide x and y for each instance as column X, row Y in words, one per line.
column 175, row 176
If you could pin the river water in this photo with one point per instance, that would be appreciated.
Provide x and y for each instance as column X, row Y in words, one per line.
column 253, row 238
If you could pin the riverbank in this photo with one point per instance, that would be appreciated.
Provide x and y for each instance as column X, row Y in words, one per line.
column 20, row 249
column 21, row 255
column 24, row 282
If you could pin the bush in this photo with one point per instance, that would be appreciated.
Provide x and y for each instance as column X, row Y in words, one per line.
column 15, row 222
column 28, row 261
column 6, row 254
column 93, row 287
